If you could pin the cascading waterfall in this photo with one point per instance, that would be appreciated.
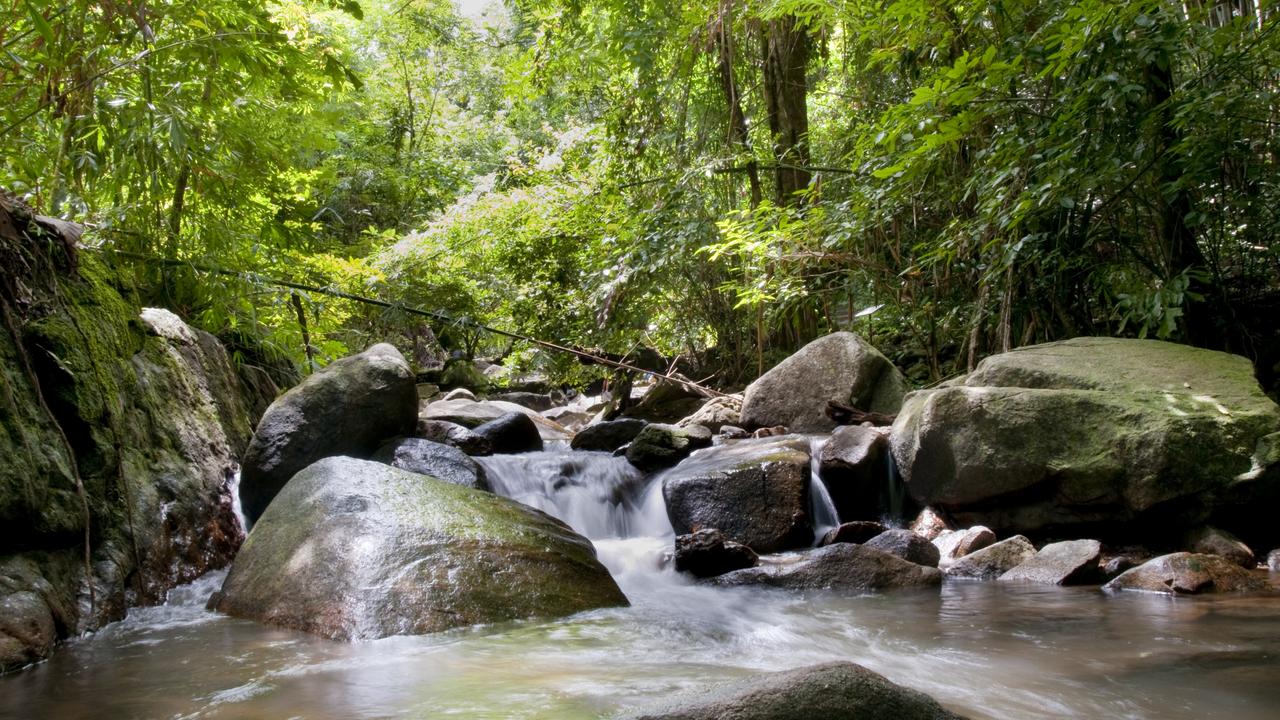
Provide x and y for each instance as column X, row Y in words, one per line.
column 821, row 508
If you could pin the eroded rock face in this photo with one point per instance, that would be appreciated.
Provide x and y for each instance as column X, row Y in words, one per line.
column 841, row 367
column 657, row 446
column 442, row 462
column 906, row 545
column 994, row 560
column 1188, row 574
column 350, row 408
column 706, row 553
column 353, row 549
column 1070, row 562
column 842, row 566
column 1135, row 436
column 756, row 492
column 833, row 691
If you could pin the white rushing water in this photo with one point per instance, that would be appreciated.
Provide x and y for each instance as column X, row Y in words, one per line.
column 986, row 650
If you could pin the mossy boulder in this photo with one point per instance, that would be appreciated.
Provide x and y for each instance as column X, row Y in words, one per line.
column 350, row 408
column 840, row 367
column 756, row 492
column 1126, row 437
column 353, row 550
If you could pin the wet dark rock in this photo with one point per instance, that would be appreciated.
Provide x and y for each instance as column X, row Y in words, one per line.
column 1213, row 541
column 1188, row 574
column 665, row 402
column 350, row 407
column 906, row 545
column 857, row 531
column 607, row 436
column 473, row 414
column 955, row 544
column 438, row 460
column 842, row 566
column 755, row 492
column 994, row 560
column 854, row 467
column 706, row 553
column 657, row 447
column 538, row 402
column 512, row 433
column 455, row 435
column 1123, row 437
column 1072, row 562
column 840, row 367
column 833, row 691
column 1116, row 565
column 353, row 549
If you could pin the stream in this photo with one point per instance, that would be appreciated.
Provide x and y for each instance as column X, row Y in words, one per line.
column 985, row 650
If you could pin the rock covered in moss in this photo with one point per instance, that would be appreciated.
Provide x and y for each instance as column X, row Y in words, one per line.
column 352, row 549
column 840, row 367
column 832, row 691
column 350, row 407
column 754, row 491
column 1137, row 436
column 659, row 446
column 1188, row 574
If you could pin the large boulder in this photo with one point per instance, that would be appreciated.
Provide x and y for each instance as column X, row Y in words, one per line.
column 1213, row 541
column 854, row 465
column 840, row 367
column 716, row 413
column 1188, row 574
column 754, row 491
column 854, row 531
column 1136, row 437
column 842, row 566
column 453, row 435
column 659, row 446
column 608, row 435
column 706, row 553
column 440, row 461
column 994, row 560
column 906, row 545
column 833, row 691
column 349, row 408
column 1070, row 562
column 356, row 550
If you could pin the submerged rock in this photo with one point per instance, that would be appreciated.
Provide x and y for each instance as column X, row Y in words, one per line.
column 755, row 492
column 437, row 460
column 657, row 447
column 1134, row 436
column 955, row 544
column 455, row 435
column 607, row 436
column 857, row 531
column 356, row 550
column 854, row 466
column 1188, row 574
column 350, row 407
column 1070, row 562
column 512, row 433
column 994, row 560
column 1212, row 541
column 832, row 691
column 840, row 367
column 706, row 553
column 906, row 545
column 842, row 566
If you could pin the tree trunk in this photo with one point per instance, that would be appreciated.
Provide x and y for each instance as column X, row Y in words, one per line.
column 721, row 32
column 787, row 47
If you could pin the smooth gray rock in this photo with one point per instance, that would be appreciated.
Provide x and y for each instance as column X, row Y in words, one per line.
column 906, row 545
column 538, row 402
column 459, row 394
column 994, row 560
column 512, row 433
column 706, row 553
column 657, row 447
column 350, row 408
column 357, row 550
column 440, row 461
column 832, row 691
column 1071, row 562
column 841, row 367
column 1188, row 574
column 955, row 544
column 455, row 435
column 607, row 436
column 754, row 491
column 842, row 566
